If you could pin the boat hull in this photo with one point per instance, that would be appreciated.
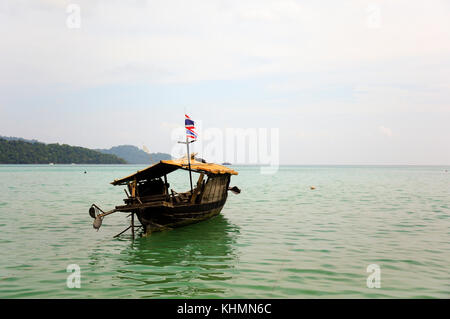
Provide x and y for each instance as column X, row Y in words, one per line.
column 160, row 218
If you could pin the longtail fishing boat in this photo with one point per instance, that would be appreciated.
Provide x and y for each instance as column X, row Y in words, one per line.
column 157, row 207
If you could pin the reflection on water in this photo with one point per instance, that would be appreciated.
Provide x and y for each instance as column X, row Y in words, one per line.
column 164, row 264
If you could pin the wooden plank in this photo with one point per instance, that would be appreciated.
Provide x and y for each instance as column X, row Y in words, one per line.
column 128, row 208
column 197, row 188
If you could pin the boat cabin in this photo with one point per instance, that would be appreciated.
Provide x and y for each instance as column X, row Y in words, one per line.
column 149, row 186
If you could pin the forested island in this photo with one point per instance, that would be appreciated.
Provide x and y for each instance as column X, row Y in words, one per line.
column 17, row 150
column 133, row 155
column 25, row 152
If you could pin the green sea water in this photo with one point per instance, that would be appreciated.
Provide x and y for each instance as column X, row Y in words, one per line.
column 277, row 239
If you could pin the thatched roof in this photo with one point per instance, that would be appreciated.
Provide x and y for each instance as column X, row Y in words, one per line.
column 168, row 166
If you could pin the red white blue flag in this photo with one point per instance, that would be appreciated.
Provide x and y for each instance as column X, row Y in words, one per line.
column 189, row 124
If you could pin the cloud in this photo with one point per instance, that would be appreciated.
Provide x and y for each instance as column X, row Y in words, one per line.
column 170, row 126
column 385, row 131
column 184, row 42
column 318, row 66
column 269, row 10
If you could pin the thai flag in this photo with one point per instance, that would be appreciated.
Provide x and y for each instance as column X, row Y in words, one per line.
column 189, row 124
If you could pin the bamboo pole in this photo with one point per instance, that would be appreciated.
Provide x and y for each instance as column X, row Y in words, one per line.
column 122, row 232
column 189, row 164
column 132, row 224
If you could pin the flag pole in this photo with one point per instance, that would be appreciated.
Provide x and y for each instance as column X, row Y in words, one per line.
column 189, row 164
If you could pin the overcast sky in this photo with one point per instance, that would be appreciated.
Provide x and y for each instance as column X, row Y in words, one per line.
column 346, row 82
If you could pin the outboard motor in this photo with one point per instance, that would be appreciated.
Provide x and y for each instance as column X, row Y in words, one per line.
column 97, row 223
column 94, row 212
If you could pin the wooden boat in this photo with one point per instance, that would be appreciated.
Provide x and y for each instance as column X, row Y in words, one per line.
column 157, row 207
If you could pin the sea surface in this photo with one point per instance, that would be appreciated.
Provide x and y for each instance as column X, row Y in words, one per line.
column 277, row 239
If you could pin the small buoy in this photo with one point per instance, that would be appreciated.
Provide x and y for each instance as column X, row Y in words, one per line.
column 313, row 187
column 85, row 172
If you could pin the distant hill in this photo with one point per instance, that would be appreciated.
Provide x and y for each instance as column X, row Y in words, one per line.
column 12, row 138
column 18, row 151
column 134, row 155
